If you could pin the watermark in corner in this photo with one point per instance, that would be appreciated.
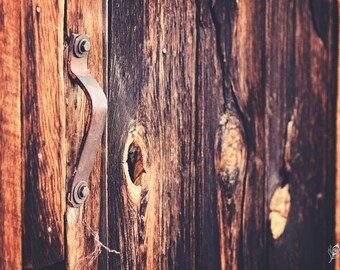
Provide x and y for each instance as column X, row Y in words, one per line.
column 333, row 252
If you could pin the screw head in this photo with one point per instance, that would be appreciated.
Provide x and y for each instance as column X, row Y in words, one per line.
column 83, row 192
column 84, row 46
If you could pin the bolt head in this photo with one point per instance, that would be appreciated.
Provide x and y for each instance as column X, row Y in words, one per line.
column 84, row 192
column 84, row 46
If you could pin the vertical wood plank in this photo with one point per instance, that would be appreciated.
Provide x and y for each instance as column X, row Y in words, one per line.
column 43, row 126
column 214, row 195
column 10, row 137
column 86, row 18
column 300, row 130
column 247, row 81
column 125, row 81
column 152, row 121
column 166, row 115
column 239, row 145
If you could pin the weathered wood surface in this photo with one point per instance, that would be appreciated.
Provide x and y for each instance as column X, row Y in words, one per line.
column 43, row 132
column 89, row 18
column 300, row 128
column 219, row 152
column 240, row 34
column 156, row 116
column 10, row 137
column 214, row 106
column 125, row 52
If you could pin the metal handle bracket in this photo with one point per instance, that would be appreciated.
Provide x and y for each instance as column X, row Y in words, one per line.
column 97, row 102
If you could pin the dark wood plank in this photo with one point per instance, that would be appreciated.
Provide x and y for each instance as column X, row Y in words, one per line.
column 301, row 50
column 221, row 142
column 125, row 81
column 152, row 118
column 10, row 137
column 89, row 18
column 43, row 127
column 246, row 82
column 239, row 146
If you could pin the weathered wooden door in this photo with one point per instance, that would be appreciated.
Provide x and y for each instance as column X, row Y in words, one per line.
column 219, row 148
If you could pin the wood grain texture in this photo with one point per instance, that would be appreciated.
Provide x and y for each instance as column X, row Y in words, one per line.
column 10, row 137
column 88, row 18
column 43, row 132
column 215, row 208
column 176, row 104
column 219, row 151
column 246, row 72
column 125, row 54
column 300, row 127
column 151, row 108
column 221, row 125
column 239, row 42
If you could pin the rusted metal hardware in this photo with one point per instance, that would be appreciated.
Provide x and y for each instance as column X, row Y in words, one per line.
column 77, row 68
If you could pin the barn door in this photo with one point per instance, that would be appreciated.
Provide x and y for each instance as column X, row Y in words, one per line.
column 219, row 147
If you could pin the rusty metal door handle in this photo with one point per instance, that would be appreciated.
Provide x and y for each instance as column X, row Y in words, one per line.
column 77, row 68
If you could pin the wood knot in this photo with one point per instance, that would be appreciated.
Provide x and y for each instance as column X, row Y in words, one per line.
column 279, row 211
column 230, row 150
column 135, row 162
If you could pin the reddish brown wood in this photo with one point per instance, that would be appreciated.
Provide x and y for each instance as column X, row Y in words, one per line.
column 10, row 137
column 43, row 132
column 89, row 18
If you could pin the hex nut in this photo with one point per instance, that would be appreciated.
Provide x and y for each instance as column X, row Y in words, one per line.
column 84, row 46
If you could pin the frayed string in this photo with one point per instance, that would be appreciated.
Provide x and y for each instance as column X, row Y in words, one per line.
column 91, row 258
column 96, row 238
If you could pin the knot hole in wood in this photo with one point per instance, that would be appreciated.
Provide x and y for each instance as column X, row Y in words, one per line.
column 135, row 163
